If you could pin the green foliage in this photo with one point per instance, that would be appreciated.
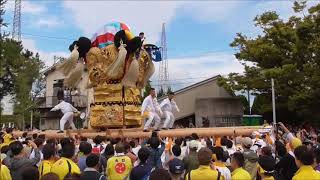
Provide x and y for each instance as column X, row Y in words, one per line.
column 160, row 93
column 289, row 52
column 261, row 104
column 9, row 65
column 169, row 90
column 27, row 74
column 10, row 118
column 19, row 69
column 245, row 103
column 299, row 6
column 2, row 23
column 147, row 89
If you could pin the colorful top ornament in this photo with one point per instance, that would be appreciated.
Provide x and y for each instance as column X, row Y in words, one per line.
column 105, row 36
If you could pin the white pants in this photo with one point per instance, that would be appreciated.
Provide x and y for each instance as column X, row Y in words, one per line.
column 67, row 117
column 152, row 116
column 168, row 123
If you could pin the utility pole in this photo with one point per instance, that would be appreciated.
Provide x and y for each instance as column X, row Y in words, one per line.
column 248, row 91
column 273, row 103
column 23, row 123
column 31, row 119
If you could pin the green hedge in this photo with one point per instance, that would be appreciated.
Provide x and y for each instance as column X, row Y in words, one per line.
column 17, row 119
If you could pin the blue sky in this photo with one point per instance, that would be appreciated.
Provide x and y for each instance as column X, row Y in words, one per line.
column 198, row 33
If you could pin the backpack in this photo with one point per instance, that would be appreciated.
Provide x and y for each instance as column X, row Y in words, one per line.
column 218, row 178
column 251, row 164
column 251, row 167
column 69, row 174
column 101, row 176
column 146, row 177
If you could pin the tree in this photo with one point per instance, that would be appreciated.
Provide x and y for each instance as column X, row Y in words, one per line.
column 27, row 75
column 169, row 90
column 245, row 103
column 2, row 23
column 6, row 70
column 147, row 89
column 289, row 52
column 10, row 63
column 160, row 93
column 19, row 70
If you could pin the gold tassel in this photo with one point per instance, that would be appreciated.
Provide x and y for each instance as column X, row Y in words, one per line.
column 68, row 65
column 116, row 67
column 131, row 77
column 147, row 75
column 73, row 80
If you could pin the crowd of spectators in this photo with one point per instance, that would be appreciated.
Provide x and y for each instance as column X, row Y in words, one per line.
column 279, row 154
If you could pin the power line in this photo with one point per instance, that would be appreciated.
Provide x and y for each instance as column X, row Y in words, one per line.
column 203, row 51
column 190, row 78
column 47, row 37
column 186, row 80
column 159, row 85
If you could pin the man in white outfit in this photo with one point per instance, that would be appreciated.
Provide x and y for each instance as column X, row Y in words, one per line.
column 167, row 106
column 67, row 109
column 151, row 106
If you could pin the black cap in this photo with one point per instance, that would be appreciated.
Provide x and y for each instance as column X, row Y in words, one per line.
column 267, row 163
column 176, row 166
column 307, row 142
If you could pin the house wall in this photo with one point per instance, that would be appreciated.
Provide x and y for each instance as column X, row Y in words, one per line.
column 50, row 120
column 219, row 112
column 50, row 123
column 186, row 99
column 50, row 80
column 53, row 78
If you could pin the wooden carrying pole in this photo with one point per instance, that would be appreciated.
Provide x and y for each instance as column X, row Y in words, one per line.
column 138, row 133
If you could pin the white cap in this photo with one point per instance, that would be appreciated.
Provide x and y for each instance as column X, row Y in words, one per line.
column 193, row 144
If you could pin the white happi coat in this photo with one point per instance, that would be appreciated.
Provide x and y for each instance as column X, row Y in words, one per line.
column 167, row 107
column 67, row 109
column 151, row 106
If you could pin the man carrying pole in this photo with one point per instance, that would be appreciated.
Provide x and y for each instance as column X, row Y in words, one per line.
column 151, row 107
column 167, row 106
column 68, row 112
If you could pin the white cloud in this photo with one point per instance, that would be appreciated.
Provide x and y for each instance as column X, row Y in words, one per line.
column 143, row 16
column 283, row 8
column 9, row 6
column 48, row 22
column 148, row 16
column 27, row 7
column 47, row 57
column 238, row 15
column 211, row 11
column 32, row 7
column 188, row 70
